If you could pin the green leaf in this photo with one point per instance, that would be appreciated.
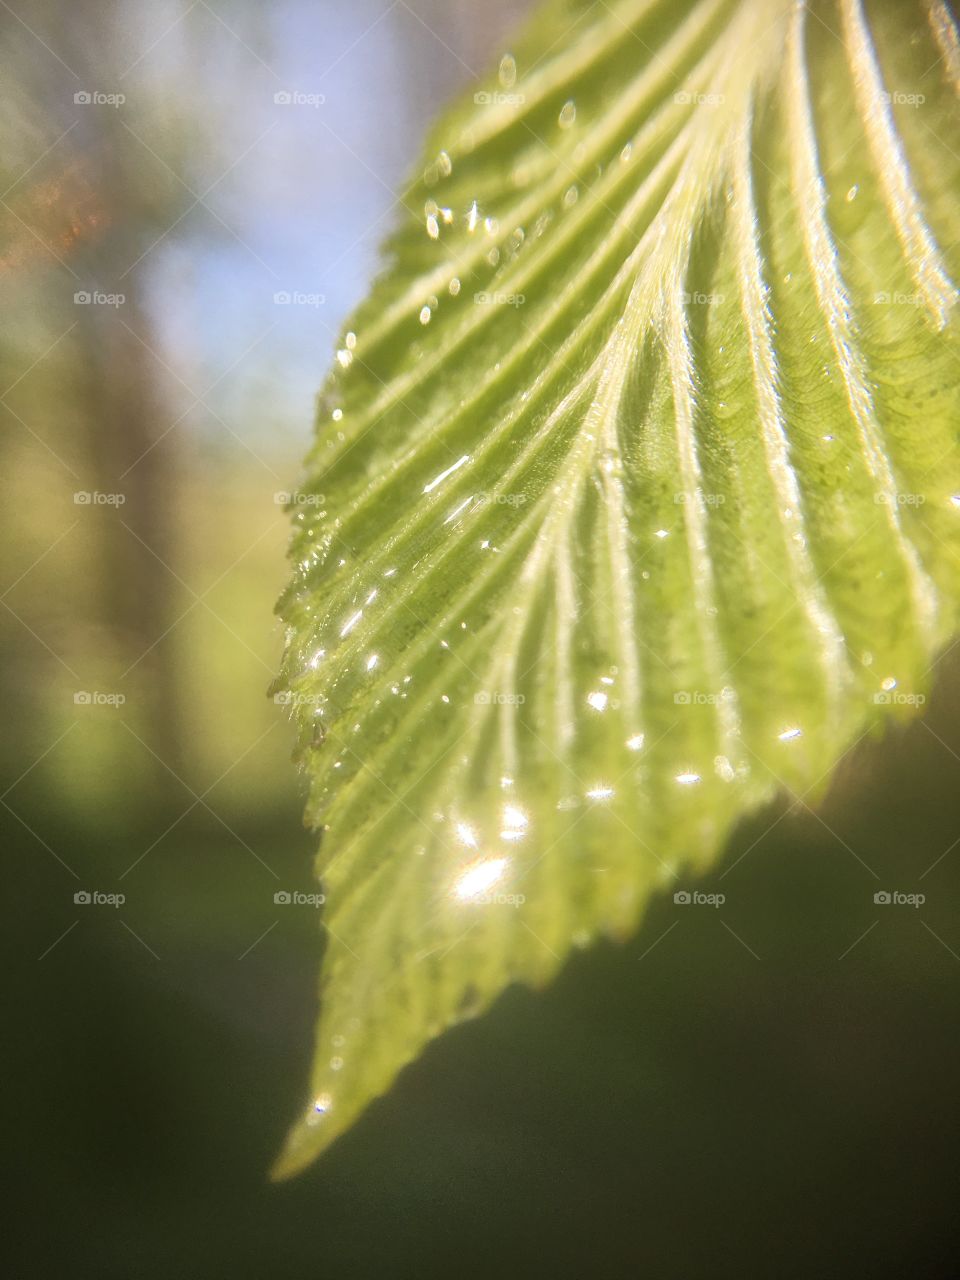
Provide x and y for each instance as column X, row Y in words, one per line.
column 635, row 493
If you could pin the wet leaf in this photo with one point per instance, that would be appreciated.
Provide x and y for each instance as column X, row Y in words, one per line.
column 635, row 492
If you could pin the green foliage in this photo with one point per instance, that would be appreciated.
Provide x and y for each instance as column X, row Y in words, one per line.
column 634, row 493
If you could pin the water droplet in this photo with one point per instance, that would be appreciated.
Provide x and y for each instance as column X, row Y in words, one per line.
column 445, row 164
column 454, row 287
column 723, row 768
column 473, row 217
column 433, row 226
column 599, row 792
column 425, row 315
column 568, row 114
column 508, row 71
column 611, row 462
column 350, row 341
column 337, row 415
column 853, row 193
column 570, row 197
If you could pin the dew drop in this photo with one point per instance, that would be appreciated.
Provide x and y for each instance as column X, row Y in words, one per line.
column 454, row 286
column 568, row 114
column 425, row 314
column 508, row 71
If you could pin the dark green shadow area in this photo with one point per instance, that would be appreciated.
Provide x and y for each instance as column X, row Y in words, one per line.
column 763, row 1088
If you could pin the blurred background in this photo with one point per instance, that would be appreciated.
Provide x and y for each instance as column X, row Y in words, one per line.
column 191, row 200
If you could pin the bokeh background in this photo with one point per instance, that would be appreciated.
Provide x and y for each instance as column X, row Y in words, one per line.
column 770, row 1090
